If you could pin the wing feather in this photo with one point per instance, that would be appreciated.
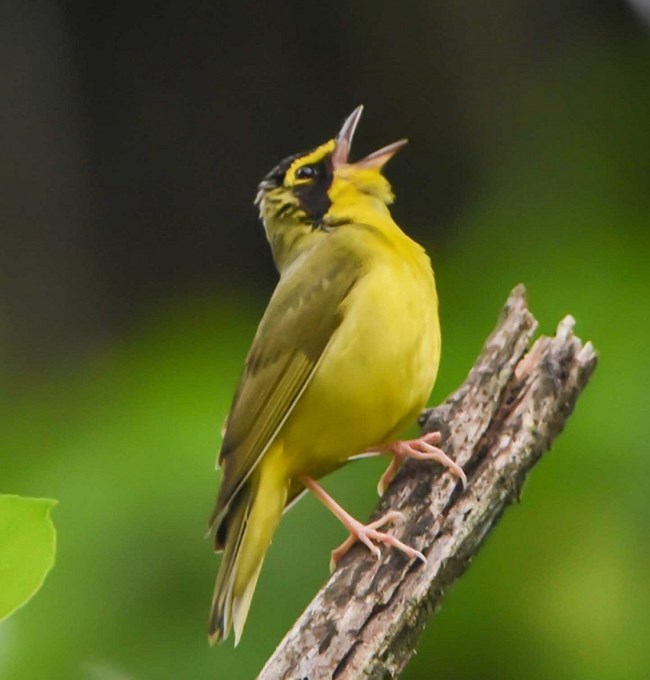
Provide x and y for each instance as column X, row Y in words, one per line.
column 303, row 315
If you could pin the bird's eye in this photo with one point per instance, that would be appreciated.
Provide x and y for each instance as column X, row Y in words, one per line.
column 306, row 172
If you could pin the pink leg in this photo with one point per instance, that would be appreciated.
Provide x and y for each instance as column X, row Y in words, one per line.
column 366, row 533
column 420, row 449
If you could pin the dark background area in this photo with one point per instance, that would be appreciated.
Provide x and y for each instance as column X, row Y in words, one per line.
column 136, row 133
column 133, row 270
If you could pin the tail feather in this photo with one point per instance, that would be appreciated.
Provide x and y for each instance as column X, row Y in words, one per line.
column 249, row 526
column 220, row 612
column 242, row 603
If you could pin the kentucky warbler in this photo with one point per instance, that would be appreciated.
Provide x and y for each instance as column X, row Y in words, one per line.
column 344, row 358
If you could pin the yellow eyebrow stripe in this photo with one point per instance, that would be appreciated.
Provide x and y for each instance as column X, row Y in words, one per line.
column 313, row 157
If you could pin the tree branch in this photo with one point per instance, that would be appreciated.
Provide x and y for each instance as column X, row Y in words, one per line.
column 367, row 618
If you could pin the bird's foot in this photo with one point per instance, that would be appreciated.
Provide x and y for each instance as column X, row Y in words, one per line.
column 421, row 448
column 368, row 534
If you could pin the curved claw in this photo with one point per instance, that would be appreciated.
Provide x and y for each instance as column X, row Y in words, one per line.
column 423, row 449
column 367, row 533
column 358, row 531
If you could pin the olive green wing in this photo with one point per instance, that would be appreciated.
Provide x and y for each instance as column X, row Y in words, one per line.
column 302, row 316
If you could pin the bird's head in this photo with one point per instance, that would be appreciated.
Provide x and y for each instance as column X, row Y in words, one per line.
column 311, row 193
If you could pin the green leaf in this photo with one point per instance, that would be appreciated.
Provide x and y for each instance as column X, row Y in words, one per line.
column 27, row 548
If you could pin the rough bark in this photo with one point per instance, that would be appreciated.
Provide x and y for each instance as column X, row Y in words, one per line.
column 366, row 620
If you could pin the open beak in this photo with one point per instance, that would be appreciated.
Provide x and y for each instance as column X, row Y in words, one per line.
column 375, row 160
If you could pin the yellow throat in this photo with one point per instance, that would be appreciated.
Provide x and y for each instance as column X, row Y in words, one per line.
column 310, row 193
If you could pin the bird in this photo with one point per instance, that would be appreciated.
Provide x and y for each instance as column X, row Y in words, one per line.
column 344, row 358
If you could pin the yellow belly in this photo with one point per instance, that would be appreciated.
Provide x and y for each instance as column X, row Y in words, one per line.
column 375, row 376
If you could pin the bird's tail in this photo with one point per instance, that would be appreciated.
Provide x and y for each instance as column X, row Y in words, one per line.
column 251, row 522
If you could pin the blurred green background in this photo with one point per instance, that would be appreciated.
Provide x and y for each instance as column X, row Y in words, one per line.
column 133, row 272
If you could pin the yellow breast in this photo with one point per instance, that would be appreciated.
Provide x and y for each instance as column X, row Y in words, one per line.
column 381, row 364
